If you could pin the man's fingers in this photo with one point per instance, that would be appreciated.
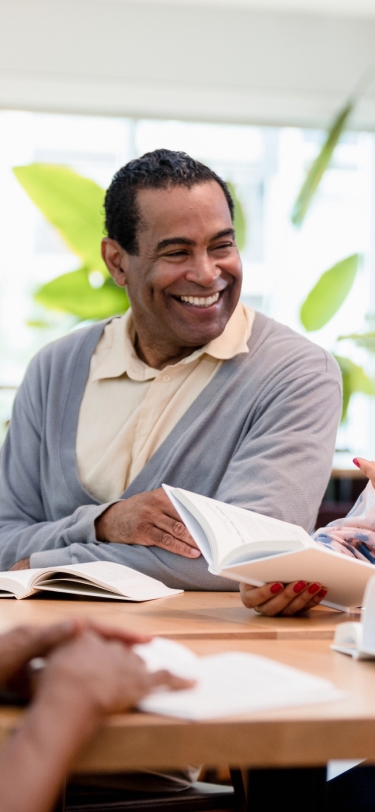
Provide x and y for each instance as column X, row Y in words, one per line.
column 121, row 635
column 367, row 468
column 164, row 677
column 22, row 644
column 160, row 538
column 176, row 529
column 170, row 520
column 44, row 638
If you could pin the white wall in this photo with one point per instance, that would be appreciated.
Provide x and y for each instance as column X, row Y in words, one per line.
column 182, row 61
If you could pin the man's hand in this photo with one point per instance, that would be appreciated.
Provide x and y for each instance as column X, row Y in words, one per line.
column 22, row 644
column 23, row 564
column 280, row 599
column 148, row 519
column 83, row 679
column 105, row 676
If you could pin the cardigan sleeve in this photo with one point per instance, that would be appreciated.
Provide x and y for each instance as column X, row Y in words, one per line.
column 283, row 463
column 24, row 525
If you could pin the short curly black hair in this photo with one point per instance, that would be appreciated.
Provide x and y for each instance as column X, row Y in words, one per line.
column 155, row 170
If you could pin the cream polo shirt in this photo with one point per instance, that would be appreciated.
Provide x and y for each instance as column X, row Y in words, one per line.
column 128, row 409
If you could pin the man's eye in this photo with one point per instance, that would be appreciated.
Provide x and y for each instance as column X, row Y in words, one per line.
column 222, row 245
column 179, row 253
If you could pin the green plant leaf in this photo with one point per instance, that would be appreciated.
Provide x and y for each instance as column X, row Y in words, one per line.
column 319, row 166
column 329, row 293
column 39, row 324
column 71, row 203
column 239, row 217
column 365, row 340
column 354, row 379
column 72, row 293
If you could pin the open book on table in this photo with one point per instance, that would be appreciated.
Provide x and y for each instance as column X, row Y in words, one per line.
column 228, row 684
column 358, row 639
column 256, row 549
column 97, row 579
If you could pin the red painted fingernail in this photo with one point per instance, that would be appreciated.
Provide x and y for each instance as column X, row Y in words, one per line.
column 276, row 588
column 313, row 588
column 356, row 462
column 300, row 586
column 322, row 593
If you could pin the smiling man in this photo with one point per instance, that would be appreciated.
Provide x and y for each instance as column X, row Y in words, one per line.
column 189, row 387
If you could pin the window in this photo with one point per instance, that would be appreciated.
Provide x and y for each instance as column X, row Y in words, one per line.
column 266, row 165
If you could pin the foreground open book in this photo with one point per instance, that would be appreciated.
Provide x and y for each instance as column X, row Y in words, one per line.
column 358, row 639
column 99, row 579
column 256, row 549
column 228, row 684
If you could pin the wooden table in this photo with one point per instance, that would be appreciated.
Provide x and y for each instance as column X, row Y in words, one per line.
column 190, row 615
column 304, row 737
column 307, row 735
column 297, row 736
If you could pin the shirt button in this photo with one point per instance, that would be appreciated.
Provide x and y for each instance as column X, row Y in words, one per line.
column 143, row 432
column 166, row 378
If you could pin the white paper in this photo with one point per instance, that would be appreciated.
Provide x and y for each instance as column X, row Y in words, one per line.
column 235, row 683
column 161, row 653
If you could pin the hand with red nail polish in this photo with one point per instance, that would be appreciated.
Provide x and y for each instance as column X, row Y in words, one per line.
column 367, row 468
column 299, row 586
column 282, row 599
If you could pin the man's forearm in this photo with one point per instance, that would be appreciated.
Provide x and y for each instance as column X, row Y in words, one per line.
column 38, row 756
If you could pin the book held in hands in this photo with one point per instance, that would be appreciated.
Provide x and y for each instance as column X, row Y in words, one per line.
column 255, row 549
column 96, row 579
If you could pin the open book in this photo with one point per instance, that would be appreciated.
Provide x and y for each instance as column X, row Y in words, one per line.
column 358, row 639
column 97, row 579
column 256, row 549
column 228, row 684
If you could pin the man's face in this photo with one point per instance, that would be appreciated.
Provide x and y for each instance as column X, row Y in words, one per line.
column 185, row 282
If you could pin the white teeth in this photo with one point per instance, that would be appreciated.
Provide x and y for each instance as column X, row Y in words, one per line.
column 199, row 301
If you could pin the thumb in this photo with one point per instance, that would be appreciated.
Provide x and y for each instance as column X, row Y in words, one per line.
column 367, row 468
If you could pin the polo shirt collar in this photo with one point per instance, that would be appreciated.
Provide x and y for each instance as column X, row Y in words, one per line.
column 122, row 358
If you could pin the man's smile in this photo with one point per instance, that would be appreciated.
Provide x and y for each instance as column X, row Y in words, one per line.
column 199, row 301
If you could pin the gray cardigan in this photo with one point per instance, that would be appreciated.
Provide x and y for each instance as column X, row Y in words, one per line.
column 261, row 435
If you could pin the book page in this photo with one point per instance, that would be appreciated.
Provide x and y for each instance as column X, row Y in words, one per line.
column 18, row 582
column 236, row 683
column 234, row 527
column 115, row 578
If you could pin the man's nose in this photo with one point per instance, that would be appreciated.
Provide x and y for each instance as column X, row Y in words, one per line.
column 203, row 271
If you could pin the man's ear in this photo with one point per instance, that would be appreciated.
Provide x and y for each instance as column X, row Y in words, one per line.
column 116, row 260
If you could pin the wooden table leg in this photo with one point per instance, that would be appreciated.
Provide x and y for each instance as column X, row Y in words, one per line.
column 304, row 787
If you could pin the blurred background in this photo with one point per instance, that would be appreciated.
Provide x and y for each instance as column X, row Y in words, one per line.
column 277, row 96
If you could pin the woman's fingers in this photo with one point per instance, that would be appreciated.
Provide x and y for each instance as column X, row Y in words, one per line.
column 367, row 468
column 253, row 596
column 279, row 599
column 305, row 601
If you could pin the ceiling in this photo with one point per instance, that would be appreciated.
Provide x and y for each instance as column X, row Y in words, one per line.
column 209, row 60
column 341, row 8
